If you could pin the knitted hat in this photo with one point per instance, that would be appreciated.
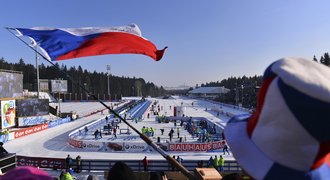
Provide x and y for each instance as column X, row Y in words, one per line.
column 289, row 134
column 26, row 173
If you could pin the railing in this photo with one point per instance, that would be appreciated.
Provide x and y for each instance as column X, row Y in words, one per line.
column 154, row 165
column 7, row 162
column 105, row 165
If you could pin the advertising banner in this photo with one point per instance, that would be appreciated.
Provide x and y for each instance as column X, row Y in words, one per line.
column 75, row 143
column 57, row 122
column 94, row 146
column 141, row 147
column 136, row 147
column 30, row 130
column 103, row 146
column 8, row 115
column 196, row 146
column 30, row 121
column 54, row 163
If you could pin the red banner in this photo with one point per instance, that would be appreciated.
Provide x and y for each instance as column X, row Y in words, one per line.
column 30, row 130
column 196, row 146
column 54, row 163
column 75, row 143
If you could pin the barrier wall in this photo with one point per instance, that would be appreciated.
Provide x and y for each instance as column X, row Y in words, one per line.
column 30, row 130
column 55, row 163
column 57, row 122
column 105, row 165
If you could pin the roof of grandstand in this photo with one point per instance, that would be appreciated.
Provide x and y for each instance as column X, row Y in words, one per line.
column 209, row 90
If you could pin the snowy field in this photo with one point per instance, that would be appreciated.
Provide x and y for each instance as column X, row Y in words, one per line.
column 53, row 142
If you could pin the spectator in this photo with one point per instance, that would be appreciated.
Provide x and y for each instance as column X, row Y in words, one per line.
column 3, row 151
column 92, row 177
column 211, row 162
column 152, row 130
column 96, row 134
column 78, row 164
column 68, row 162
column 221, row 163
column 143, row 130
column 86, row 130
column 286, row 137
column 145, row 163
column 120, row 171
column 180, row 160
column 66, row 176
column 178, row 132
column 100, row 133
column 62, row 173
column 216, row 162
column 115, row 132
column 225, row 148
column 171, row 134
column 173, row 167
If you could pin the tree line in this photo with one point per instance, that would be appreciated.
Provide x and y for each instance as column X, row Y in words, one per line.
column 243, row 90
column 95, row 82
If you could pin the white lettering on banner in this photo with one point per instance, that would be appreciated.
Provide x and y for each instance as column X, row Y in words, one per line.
column 30, row 130
column 195, row 146
column 40, row 162
column 136, row 147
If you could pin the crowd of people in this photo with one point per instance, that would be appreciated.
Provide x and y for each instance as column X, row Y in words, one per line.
column 148, row 131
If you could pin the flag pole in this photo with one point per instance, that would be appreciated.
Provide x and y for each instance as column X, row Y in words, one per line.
column 142, row 136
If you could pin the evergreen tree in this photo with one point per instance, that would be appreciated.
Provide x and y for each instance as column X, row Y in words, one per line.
column 322, row 60
column 326, row 59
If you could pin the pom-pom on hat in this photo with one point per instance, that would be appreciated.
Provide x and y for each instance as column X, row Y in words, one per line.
column 289, row 134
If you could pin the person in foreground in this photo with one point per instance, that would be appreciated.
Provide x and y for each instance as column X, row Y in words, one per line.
column 26, row 173
column 121, row 171
column 288, row 136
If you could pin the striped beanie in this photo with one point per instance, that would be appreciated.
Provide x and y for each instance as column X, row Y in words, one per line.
column 288, row 137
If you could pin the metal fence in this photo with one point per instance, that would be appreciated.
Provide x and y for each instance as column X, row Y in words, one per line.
column 153, row 165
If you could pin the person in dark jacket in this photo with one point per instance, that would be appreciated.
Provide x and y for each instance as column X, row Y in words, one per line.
column 3, row 151
column 68, row 162
column 78, row 164
column 145, row 163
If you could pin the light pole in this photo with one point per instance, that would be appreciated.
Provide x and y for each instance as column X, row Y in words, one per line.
column 108, row 72
column 242, row 86
column 37, row 67
column 236, row 95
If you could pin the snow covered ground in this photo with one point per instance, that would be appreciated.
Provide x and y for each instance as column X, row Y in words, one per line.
column 53, row 142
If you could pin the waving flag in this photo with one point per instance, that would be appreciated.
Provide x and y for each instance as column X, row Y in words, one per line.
column 68, row 43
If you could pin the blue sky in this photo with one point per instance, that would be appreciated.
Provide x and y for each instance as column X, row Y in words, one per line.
column 208, row 40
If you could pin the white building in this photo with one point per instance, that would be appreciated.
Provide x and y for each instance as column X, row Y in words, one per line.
column 208, row 92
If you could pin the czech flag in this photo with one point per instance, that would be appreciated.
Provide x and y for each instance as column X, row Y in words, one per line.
column 68, row 43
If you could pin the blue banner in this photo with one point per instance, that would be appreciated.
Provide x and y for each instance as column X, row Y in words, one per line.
column 58, row 122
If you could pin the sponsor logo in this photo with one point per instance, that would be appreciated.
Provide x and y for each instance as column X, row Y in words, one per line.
column 134, row 146
column 96, row 146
